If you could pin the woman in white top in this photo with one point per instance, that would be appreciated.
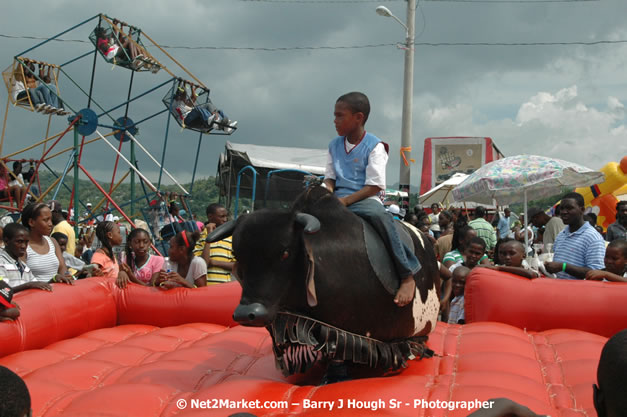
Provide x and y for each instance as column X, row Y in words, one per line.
column 43, row 255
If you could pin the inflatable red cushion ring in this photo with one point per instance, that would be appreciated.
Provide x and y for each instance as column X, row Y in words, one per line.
column 194, row 369
column 545, row 303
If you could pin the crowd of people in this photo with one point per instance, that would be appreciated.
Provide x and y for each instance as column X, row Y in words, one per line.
column 42, row 249
column 568, row 245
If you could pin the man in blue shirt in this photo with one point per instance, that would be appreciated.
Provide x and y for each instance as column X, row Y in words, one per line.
column 579, row 247
column 505, row 224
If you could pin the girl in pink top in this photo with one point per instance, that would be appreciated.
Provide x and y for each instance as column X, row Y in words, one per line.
column 140, row 266
column 108, row 233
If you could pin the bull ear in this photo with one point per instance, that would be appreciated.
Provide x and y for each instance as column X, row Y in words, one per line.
column 221, row 232
column 309, row 222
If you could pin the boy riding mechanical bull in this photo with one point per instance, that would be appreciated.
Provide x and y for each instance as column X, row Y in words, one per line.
column 323, row 281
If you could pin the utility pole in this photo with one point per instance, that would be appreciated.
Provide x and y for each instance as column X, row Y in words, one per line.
column 408, row 95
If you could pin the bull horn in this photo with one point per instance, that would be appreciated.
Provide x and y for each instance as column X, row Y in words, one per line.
column 309, row 222
column 221, row 232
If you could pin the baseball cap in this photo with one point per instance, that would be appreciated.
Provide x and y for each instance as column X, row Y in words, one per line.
column 54, row 205
column 6, row 295
column 88, row 204
column 394, row 209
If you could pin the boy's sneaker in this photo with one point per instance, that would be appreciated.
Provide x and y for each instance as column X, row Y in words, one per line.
column 210, row 121
column 40, row 106
column 228, row 130
column 50, row 109
column 155, row 68
column 138, row 62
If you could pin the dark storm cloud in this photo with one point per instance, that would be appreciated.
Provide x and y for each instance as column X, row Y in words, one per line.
column 286, row 98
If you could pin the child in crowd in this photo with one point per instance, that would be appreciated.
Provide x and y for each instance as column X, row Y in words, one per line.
column 141, row 267
column 8, row 311
column 17, row 180
column 202, row 116
column 187, row 270
column 456, row 314
column 615, row 263
column 511, row 257
column 55, row 102
column 75, row 265
column 15, row 396
column 83, row 249
column 113, row 50
column 108, row 233
column 473, row 253
column 7, row 190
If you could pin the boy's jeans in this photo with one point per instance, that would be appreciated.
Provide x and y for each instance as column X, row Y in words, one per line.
column 374, row 213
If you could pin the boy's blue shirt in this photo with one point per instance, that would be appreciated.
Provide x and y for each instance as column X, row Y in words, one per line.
column 350, row 168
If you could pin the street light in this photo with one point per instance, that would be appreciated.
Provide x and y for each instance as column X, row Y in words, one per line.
column 408, row 92
column 385, row 12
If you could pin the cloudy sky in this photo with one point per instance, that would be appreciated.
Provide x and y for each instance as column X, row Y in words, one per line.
column 278, row 66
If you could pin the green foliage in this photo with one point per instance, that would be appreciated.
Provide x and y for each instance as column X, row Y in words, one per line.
column 204, row 193
column 543, row 203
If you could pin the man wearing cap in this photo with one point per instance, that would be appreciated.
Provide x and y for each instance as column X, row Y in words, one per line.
column 62, row 226
column 552, row 225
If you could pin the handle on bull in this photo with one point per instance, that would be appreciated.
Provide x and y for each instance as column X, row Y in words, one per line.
column 221, row 232
column 309, row 222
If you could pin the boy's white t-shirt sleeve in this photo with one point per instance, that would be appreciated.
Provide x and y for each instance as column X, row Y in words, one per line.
column 329, row 170
column 375, row 171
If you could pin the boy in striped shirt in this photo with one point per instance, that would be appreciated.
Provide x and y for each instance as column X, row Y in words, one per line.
column 218, row 255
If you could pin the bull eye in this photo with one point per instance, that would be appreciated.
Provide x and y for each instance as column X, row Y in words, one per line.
column 285, row 255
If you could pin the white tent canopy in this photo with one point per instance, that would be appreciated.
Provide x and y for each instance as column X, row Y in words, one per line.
column 263, row 161
column 441, row 194
column 279, row 157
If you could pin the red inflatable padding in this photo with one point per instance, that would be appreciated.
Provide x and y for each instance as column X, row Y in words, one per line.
column 71, row 310
column 149, row 305
column 545, row 303
column 68, row 311
column 92, row 367
column 140, row 371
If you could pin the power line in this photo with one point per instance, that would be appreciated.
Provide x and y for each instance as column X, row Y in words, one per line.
column 434, row 1
column 378, row 45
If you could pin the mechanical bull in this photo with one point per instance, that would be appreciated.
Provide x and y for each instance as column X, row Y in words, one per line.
column 321, row 281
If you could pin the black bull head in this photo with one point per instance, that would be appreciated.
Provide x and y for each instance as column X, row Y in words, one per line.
column 308, row 270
